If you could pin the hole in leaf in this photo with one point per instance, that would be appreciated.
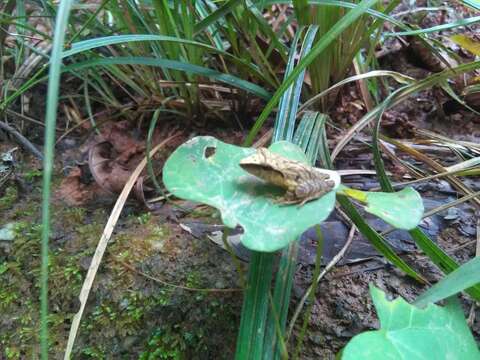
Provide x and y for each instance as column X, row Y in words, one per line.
column 238, row 229
column 209, row 151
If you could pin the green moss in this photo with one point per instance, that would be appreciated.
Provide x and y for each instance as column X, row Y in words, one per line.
column 205, row 212
column 32, row 174
column 9, row 197
column 95, row 352
column 124, row 308
column 166, row 343
column 144, row 218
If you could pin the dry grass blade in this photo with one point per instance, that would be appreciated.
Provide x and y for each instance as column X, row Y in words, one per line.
column 400, row 78
column 477, row 247
column 459, row 185
column 426, row 178
column 450, row 142
column 102, row 245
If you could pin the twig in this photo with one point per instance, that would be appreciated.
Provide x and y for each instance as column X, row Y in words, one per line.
column 364, row 270
column 423, row 179
column 16, row 115
column 471, row 314
column 133, row 269
column 22, row 140
column 329, row 266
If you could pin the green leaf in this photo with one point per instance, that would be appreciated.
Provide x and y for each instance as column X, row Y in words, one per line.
column 207, row 170
column 458, row 280
column 402, row 209
column 408, row 332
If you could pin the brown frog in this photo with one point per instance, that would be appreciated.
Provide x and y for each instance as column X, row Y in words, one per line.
column 302, row 183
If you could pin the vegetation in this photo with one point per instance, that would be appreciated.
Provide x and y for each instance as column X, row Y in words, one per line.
column 209, row 67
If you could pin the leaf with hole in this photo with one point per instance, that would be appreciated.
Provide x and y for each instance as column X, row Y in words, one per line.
column 207, row 170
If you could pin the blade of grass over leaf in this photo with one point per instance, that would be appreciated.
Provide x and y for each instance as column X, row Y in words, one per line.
column 321, row 45
column 464, row 277
column 50, row 120
column 432, row 250
column 382, row 246
column 174, row 65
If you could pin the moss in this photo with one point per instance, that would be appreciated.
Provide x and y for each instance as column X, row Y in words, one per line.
column 9, row 197
column 205, row 212
column 126, row 312
column 166, row 343
column 32, row 174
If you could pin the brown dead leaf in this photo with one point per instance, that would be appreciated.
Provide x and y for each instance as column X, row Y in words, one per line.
column 74, row 191
column 107, row 169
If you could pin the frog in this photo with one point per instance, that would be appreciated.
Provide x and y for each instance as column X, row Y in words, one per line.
column 302, row 183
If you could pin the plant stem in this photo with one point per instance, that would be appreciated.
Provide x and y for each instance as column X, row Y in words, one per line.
column 250, row 339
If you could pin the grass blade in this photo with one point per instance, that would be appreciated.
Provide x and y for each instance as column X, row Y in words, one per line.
column 255, row 307
column 287, row 112
column 216, row 15
column 50, row 122
column 465, row 276
column 94, row 43
column 432, row 250
column 174, row 65
column 321, row 45
column 380, row 244
column 461, row 22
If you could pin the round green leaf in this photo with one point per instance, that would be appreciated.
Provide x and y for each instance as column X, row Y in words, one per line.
column 207, row 170
column 402, row 209
column 408, row 332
